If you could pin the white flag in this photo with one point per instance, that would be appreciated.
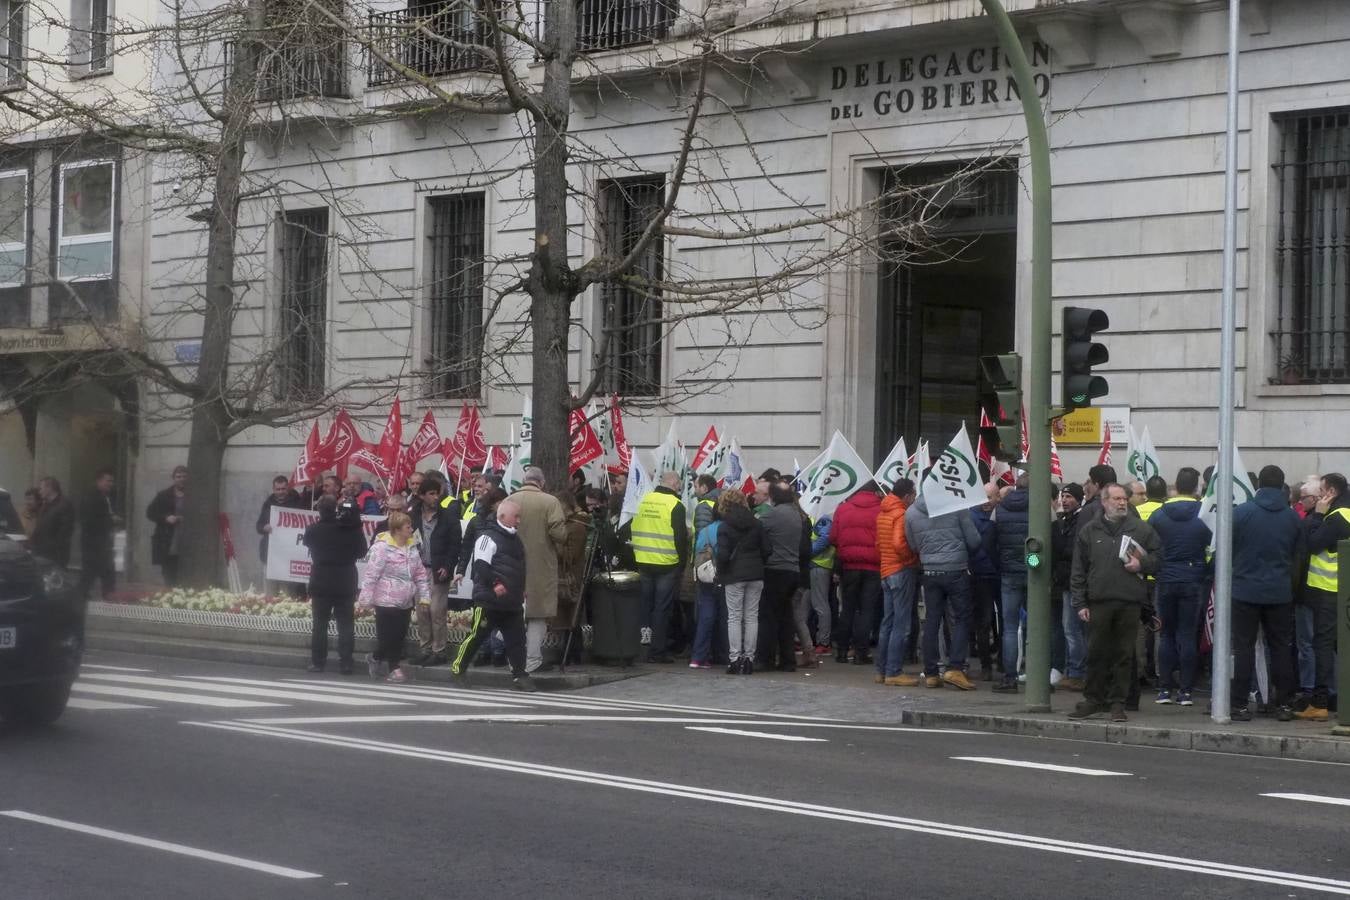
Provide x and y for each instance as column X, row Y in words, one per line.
column 833, row 477
column 1150, row 463
column 894, row 466
column 953, row 483
column 597, row 475
column 918, row 464
column 1243, row 490
column 514, row 476
column 522, row 453
column 667, row 457
column 639, row 484
column 1142, row 462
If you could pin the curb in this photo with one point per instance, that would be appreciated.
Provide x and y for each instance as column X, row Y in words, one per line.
column 298, row 658
column 1316, row 749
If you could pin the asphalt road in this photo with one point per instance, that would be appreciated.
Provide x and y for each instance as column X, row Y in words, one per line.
column 288, row 786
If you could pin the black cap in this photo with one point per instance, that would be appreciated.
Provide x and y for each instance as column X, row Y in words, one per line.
column 1073, row 488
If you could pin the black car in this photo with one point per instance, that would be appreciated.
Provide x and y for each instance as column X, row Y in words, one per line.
column 41, row 636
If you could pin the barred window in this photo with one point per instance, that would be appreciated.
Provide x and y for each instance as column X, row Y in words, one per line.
column 455, row 295
column 609, row 24
column 1312, row 174
column 13, row 37
column 631, row 307
column 304, row 303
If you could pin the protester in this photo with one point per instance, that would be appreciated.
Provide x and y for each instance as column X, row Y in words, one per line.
column 783, row 527
column 898, row 566
column 438, row 545
column 55, row 529
column 711, row 599
column 1266, row 537
column 760, row 499
column 1013, row 524
column 498, row 570
column 543, row 531
column 707, row 492
column 1070, row 629
column 414, row 487
column 944, row 544
column 394, row 580
column 166, row 511
column 1309, row 493
column 822, row 583
column 282, row 496
column 1329, row 524
column 854, row 536
column 571, row 566
column 98, row 522
column 364, row 496
column 335, row 546
column 742, row 551
column 1182, row 582
column 986, row 581
column 660, row 542
column 1111, row 555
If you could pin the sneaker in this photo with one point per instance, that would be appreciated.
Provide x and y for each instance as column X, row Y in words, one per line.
column 734, row 668
column 822, row 650
column 1240, row 714
column 397, row 676
column 1083, row 710
column 314, row 668
column 1005, row 686
column 957, row 679
column 1070, row 684
column 902, row 680
column 1164, row 698
column 524, row 683
column 700, row 664
column 747, row 666
column 1284, row 714
column 1118, row 713
column 1184, row 698
column 646, row 636
column 932, row 681
column 1313, row 714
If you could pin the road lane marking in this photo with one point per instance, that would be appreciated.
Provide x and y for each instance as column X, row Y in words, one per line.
column 166, row 846
column 108, row 690
column 756, row 734
column 113, row 668
column 898, row 823
column 83, row 703
column 530, row 718
column 240, row 690
column 1312, row 798
column 404, row 692
column 1026, row 764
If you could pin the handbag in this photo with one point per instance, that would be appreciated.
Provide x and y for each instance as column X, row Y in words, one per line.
column 706, row 572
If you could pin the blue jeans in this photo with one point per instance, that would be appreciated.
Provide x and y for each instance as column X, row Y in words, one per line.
column 1307, row 660
column 897, row 598
column 1180, row 607
column 946, row 595
column 658, row 599
column 706, row 616
column 1014, row 596
column 1075, row 641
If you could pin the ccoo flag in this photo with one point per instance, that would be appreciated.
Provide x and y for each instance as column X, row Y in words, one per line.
column 832, row 477
column 953, row 483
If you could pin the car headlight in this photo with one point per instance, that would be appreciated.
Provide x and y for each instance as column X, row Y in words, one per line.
column 53, row 581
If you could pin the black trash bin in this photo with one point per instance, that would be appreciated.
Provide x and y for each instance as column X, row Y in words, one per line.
column 616, row 630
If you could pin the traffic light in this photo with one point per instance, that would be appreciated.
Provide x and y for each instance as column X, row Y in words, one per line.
column 1003, row 406
column 1079, row 387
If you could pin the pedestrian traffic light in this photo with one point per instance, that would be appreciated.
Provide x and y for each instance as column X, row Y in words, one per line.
column 1001, row 425
column 1079, row 387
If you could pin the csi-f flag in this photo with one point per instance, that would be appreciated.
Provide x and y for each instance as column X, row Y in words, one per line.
column 953, row 483
column 894, row 466
column 832, row 477
column 1243, row 490
column 918, row 463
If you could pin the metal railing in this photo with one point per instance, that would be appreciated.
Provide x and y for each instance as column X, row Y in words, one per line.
column 294, row 72
column 610, row 24
column 431, row 40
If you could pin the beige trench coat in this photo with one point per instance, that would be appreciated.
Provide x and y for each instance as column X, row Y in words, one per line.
column 543, row 530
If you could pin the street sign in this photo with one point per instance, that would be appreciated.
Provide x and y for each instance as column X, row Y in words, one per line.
column 1084, row 426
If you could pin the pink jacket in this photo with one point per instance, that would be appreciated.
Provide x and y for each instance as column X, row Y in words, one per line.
column 394, row 576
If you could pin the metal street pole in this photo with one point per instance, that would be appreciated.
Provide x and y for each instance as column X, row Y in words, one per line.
column 1220, row 699
column 1037, row 389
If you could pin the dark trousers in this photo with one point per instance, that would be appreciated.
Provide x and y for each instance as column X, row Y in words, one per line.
column 485, row 621
column 1278, row 621
column 983, row 639
column 170, row 569
column 946, row 596
column 1111, row 635
column 325, row 608
column 659, row 590
column 861, row 590
column 777, row 627
column 1323, row 606
column 391, row 630
column 1180, row 607
column 97, row 566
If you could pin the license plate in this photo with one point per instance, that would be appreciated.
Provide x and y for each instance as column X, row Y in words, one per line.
column 9, row 638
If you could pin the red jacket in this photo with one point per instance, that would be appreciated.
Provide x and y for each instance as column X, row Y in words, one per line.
column 854, row 532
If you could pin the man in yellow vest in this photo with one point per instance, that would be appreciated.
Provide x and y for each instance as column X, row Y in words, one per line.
column 659, row 536
column 1333, row 511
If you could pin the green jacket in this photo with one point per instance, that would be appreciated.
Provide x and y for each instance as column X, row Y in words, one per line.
column 1098, row 573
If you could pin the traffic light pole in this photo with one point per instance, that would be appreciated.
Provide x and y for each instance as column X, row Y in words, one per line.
column 1038, row 372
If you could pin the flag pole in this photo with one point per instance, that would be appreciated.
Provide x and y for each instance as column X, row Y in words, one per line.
column 1222, row 665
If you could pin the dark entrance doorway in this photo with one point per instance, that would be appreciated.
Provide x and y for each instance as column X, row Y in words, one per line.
column 939, row 310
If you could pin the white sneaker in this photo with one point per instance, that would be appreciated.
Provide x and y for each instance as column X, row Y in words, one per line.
column 397, row 677
column 1056, row 676
column 646, row 636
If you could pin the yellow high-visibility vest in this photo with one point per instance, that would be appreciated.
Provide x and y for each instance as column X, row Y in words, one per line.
column 1148, row 508
column 1322, row 568
column 825, row 559
column 653, row 539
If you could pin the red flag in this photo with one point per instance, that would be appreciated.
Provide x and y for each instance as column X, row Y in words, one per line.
column 982, row 453
column 1056, row 470
column 705, row 449
column 391, row 441
column 342, row 441
column 368, row 458
column 621, row 445
column 498, row 460
column 585, row 444
column 467, row 448
column 1104, row 458
column 1026, row 440
column 310, row 463
column 426, row 442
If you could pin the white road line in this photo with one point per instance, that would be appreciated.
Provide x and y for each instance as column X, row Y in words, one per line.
column 483, row 698
column 1049, row 767
column 672, row 707
column 530, row 718
column 82, row 703
column 167, row 847
column 757, row 734
column 112, row 668
column 108, row 690
column 240, row 690
column 899, row 823
column 1312, row 798
column 371, row 690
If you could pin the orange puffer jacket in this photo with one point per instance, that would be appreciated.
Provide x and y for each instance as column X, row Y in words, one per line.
column 891, row 543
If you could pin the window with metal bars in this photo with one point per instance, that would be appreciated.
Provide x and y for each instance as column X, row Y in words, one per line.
column 631, row 307
column 1312, row 250
column 303, row 319
column 14, row 35
column 455, row 295
column 100, row 59
column 609, row 24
